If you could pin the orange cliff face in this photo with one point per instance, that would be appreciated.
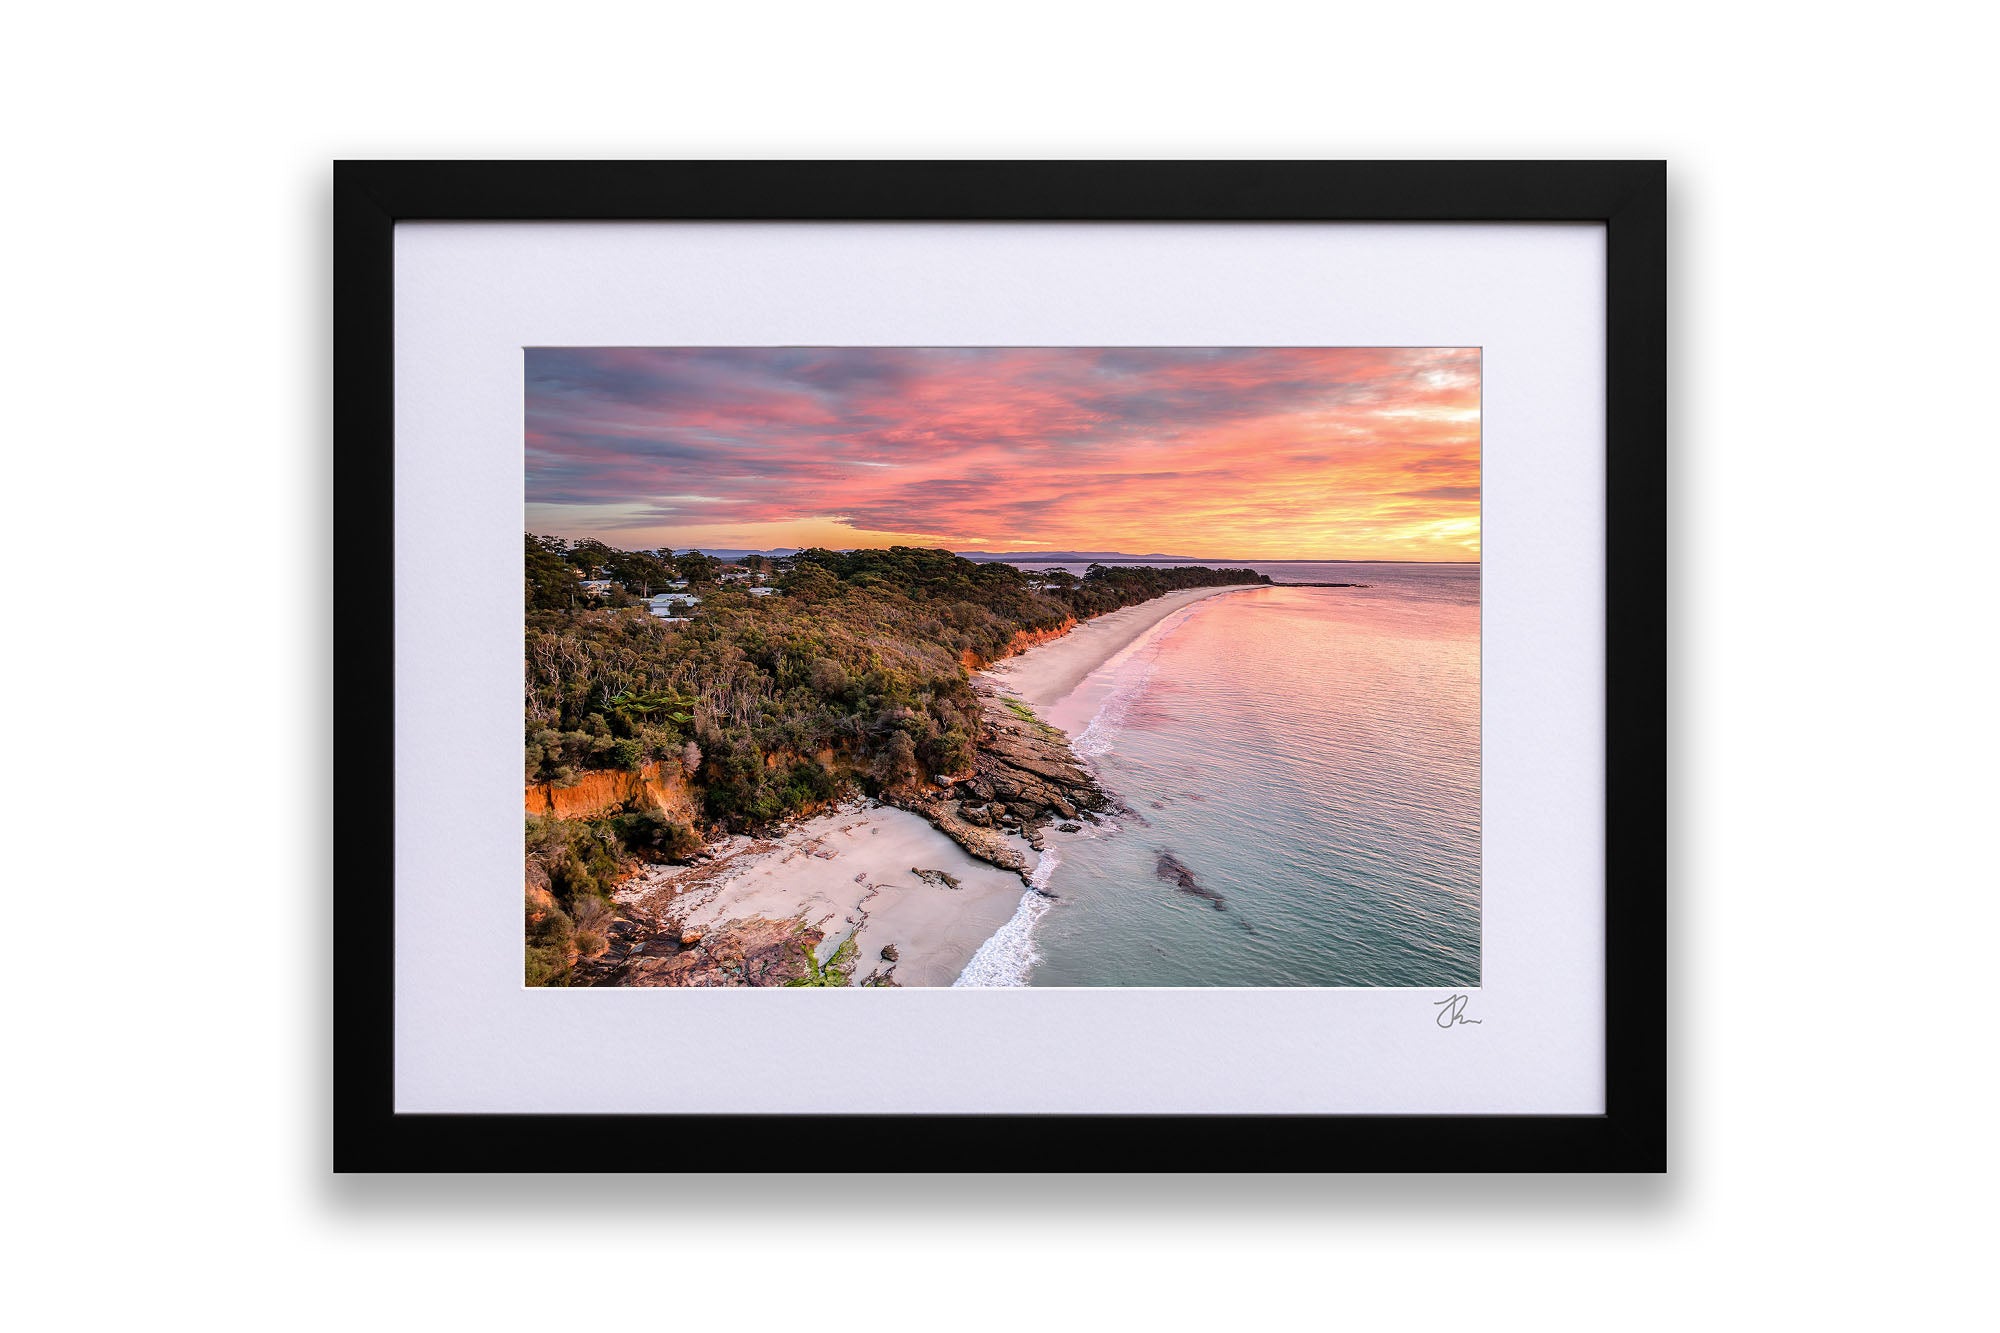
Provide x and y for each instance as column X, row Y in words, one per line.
column 1022, row 641
column 606, row 791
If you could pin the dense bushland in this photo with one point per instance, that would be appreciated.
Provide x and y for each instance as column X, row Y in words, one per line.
column 854, row 673
column 572, row 867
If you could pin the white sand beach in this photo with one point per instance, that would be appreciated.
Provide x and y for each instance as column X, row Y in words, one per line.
column 1048, row 673
column 851, row 872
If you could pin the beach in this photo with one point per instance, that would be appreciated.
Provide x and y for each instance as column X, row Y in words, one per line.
column 1046, row 674
column 883, row 875
column 859, row 871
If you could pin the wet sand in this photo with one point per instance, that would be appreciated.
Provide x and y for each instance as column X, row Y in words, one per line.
column 1049, row 672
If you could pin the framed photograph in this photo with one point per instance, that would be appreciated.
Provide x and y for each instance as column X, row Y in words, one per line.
column 1176, row 647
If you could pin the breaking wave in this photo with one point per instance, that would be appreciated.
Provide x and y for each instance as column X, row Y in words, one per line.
column 1009, row 955
column 1007, row 958
column 1132, row 672
column 1097, row 738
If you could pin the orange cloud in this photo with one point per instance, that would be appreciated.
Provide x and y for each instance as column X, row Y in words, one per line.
column 1252, row 453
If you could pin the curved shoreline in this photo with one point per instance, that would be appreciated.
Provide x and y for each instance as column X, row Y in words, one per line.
column 921, row 877
column 1048, row 673
column 1058, row 683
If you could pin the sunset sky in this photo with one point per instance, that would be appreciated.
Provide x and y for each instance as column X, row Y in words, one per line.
column 1255, row 453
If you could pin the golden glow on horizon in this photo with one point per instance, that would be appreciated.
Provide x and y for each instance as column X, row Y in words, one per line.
column 1301, row 453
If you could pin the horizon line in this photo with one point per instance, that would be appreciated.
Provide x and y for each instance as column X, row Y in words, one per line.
column 1002, row 556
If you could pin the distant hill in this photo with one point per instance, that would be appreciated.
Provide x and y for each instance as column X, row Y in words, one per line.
column 738, row 552
column 1086, row 557
column 1065, row 557
column 1058, row 557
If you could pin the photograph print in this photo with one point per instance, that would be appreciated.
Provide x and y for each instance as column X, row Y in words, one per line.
column 1002, row 666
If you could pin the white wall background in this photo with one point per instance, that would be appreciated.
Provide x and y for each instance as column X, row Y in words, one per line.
column 167, row 331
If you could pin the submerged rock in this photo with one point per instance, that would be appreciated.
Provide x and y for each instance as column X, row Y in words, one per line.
column 1170, row 869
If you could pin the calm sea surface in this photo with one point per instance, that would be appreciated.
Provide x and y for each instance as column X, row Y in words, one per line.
column 1310, row 758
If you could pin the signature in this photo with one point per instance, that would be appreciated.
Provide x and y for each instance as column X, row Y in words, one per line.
column 1451, row 1011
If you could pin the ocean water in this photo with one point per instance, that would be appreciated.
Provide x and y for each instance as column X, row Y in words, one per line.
column 1301, row 770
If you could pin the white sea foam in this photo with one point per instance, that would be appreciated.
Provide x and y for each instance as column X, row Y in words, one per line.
column 1131, row 671
column 1006, row 958
column 1009, row 955
column 1098, row 738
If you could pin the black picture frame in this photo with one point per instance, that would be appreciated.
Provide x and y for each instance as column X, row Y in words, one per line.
column 1627, row 197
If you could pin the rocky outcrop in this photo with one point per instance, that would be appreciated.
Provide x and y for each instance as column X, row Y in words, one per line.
column 1025, row 768
column 988, row 844
column 754, row 951
column 607, row 791
column 1024, row 777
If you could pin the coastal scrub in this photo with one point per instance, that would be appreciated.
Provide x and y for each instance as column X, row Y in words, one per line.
column 852, row 675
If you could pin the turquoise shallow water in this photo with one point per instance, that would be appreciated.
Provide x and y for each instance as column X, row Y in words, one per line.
column 1310, row 758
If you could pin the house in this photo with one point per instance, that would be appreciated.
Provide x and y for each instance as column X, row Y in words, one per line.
column 762, row 592
column 663, row 605
column 596, row 587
